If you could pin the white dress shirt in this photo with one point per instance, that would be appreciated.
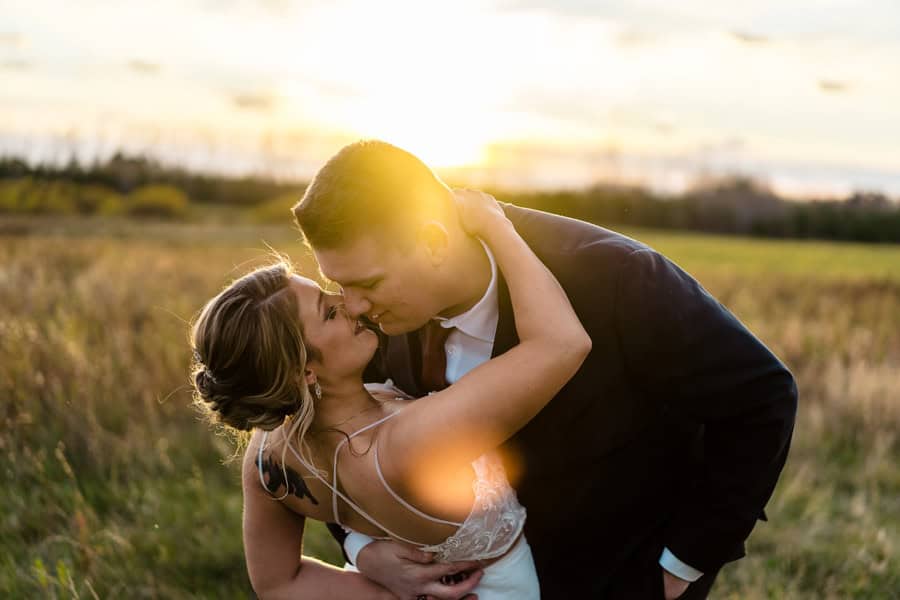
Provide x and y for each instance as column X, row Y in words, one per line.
column 472, row 340
column 470, row 344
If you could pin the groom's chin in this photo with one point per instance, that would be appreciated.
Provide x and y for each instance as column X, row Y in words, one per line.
column 395, row 328
column 390, row 329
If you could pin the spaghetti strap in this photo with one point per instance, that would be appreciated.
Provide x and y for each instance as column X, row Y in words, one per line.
column 336, row 493
column 403, row 502
column 259, row 461
column 496, row 520
column 334, row 484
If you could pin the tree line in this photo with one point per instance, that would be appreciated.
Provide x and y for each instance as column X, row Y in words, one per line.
column 138, row 186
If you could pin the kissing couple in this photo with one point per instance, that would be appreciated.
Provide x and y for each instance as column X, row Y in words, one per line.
column 501, row 403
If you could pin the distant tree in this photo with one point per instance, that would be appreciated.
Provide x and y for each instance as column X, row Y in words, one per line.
column 140, row 186
column 867, row 200
column 99, row 199
column 11, row 167
column 163, row 201
column 733, row 203
column 275, row 210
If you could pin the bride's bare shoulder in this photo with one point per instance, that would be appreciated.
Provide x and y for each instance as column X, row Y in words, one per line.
column 273, row 441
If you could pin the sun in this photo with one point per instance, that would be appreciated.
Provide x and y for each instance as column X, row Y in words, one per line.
column 437, row 147
column 442, row 134
column 397, row 76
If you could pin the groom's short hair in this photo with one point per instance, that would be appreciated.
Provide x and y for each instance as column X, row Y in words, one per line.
column 370, row 187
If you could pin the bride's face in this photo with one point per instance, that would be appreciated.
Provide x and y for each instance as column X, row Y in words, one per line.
column 345, row 347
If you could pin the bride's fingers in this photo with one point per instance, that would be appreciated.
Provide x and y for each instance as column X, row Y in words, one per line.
column 454, row 568
column 464, row 588
column 476, row 210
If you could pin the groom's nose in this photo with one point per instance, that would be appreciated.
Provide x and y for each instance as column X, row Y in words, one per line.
column 355, row 303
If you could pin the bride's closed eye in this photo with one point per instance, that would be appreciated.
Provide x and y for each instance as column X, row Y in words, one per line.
column 332, row 312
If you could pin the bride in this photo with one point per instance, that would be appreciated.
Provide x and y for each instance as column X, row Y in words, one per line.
column 276, row 355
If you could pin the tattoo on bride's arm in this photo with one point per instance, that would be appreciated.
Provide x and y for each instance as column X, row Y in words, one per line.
column 276, row 480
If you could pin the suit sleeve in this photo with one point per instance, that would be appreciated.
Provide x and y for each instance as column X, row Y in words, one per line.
column 340, row 536
column 686, row 351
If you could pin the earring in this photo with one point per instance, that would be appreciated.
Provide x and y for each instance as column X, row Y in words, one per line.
column 317, row 390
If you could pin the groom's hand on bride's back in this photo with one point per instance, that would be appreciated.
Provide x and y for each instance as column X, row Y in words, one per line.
column 409, row 573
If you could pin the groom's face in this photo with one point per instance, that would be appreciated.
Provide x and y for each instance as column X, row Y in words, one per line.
column 391, row 285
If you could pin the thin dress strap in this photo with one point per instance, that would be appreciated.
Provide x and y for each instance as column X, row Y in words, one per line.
column 403, row 502
column 336, row 493
column 259, row 461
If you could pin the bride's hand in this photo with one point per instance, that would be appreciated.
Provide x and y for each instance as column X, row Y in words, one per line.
column 478, row 211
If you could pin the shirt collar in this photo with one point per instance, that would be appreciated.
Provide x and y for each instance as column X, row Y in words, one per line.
column 480, row 321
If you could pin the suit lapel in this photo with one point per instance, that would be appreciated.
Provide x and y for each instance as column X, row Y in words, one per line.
column 505, row 336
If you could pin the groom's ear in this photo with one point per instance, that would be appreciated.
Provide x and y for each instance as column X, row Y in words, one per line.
column 435, row 240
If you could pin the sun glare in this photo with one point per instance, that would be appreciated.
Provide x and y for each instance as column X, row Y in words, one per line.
column 426, row 118
column 439, row 147
column 403, row 84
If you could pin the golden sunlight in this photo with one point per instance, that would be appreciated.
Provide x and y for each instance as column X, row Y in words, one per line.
column 409, row 89
column 442, row 486
column 426, row 118
column 438, row 146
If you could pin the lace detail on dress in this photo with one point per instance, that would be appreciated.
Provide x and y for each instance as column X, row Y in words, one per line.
column 496, row 519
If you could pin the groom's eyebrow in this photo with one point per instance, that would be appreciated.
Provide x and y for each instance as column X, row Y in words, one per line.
column 319, row 302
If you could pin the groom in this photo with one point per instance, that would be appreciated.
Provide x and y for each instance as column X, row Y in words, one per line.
column 651, row 466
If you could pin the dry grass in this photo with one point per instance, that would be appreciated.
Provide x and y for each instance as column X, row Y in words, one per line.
column 115, row 488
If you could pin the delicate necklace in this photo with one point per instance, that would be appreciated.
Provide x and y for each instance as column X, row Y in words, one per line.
column 348, row 419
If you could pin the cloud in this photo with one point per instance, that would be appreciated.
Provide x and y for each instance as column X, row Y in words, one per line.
column 832, row 86
column 559, row 105
column 567, row 8
column 630, row 38
column 15, row 64
column 749, row 38
column 11, row 39
column 664, row 128
column 721, row 149
column 276, row 8
column 262, row 102
column 636, row 118
column 144, row 67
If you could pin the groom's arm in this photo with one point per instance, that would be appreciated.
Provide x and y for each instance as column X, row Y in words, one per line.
column 690, row 353
column 351, row 543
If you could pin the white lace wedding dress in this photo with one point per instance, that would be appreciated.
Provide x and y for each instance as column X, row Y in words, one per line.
column 492, row 529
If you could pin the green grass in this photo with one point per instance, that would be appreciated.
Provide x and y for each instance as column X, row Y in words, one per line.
column 114, row 487
column 804, row 260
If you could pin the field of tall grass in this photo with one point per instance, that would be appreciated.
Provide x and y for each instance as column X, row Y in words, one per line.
column 113, row 486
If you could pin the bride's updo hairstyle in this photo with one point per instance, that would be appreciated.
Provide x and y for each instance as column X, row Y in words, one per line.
column 249, row 356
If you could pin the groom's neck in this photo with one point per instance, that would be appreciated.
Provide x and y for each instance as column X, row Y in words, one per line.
column 468, row 278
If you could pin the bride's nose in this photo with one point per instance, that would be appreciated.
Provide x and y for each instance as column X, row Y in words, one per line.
column 341, row 307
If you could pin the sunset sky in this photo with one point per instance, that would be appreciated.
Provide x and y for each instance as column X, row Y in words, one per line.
column 803, row 94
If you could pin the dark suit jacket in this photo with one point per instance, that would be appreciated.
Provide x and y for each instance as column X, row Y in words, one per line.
column 672, row 433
